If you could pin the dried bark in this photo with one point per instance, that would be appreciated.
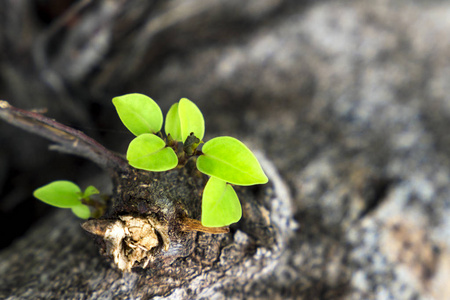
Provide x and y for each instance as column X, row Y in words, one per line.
column 58, row 260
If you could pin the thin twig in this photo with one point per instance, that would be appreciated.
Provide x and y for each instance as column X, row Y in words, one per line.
column 67, row 139
column 195, row 225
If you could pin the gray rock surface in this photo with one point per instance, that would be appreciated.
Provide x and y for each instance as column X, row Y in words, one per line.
column 349, row 99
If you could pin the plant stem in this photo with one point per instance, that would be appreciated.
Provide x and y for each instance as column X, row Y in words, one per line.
column 67, row 139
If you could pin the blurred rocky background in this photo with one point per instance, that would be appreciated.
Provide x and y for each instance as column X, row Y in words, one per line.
column 349, row 99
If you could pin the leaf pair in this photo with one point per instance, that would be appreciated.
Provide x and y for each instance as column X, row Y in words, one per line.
column 66, row 194
column 226, row 159
column 183, row 119
column 143, row 117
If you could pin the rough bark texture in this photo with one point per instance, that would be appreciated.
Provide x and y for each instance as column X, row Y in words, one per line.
column 348, row 99
column 65, row 264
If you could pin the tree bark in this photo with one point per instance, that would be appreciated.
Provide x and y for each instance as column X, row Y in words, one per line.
column 57, row 259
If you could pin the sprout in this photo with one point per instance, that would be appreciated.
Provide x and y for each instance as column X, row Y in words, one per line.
column 183, row 119
column 66, row 194
column 225, row 159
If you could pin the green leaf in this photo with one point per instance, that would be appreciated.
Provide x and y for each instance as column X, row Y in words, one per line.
column 149, row 152
column 89, row 191
column 81, row 211
column 191, row 119
column 220, row 204
column 172, row 125
column 62, row 193
column 139, row 113
column 230, row 160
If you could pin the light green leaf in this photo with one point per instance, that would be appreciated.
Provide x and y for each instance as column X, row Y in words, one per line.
column 191, row 119
column 172, row 125
column 220, row 204
column 62, row 193
column 81, row 211
column 89, row 191
column 230, row 160
column 149, row 152
column 139, row 113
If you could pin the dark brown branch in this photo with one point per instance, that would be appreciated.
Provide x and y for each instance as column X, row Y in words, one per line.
column 67, row 139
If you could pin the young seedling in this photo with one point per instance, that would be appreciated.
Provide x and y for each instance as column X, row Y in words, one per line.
column 226, row 159
column 66, row 194
column 152, row 217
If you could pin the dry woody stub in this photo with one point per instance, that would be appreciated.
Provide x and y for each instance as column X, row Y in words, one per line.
column 130, row 240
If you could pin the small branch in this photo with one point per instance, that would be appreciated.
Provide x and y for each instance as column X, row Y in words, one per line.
column 67, row 139
column 195, row 225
